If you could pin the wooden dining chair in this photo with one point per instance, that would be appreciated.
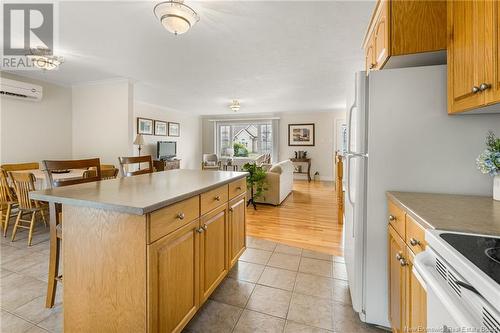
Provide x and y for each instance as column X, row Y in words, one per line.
column 20, row 166
column 8, row 201
column 105, row 173
column 24, row 183
column 126, row 161
column 56, row 215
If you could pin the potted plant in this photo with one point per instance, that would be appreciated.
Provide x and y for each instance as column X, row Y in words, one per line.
column 256, row 182
column 488, row 162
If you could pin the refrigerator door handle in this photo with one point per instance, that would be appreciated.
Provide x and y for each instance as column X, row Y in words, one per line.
column 349, row 123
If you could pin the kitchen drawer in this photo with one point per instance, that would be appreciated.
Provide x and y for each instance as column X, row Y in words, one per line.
column 415, row 235
column 397, row 219
column 213, row 199
column 237, row 187
column 165, row 220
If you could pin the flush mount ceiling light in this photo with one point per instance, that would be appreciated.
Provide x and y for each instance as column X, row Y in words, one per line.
column 175, row 16
column 235, row 105
column 44, row 59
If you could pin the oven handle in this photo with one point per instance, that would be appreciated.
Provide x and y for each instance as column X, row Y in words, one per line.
column 424, row 265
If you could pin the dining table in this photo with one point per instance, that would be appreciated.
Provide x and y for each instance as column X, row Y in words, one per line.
column 41, row 182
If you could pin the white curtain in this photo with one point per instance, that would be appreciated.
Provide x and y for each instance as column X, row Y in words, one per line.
column 276, row 140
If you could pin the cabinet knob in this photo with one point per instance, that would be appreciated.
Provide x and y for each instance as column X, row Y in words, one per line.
column 403, row 262
column 414, row 242
column 217, row 198
column 204, row 227
column 238, row 188
column 392, row 218
column 399, row 256
column 475, row 89
column 231, row 209
column 484, row 86
column 199, row 230
column 181, row 216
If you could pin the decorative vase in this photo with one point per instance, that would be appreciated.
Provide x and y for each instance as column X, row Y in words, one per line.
column 496, row 187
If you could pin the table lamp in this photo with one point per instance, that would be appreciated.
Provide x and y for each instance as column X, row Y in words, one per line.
column 139, row 141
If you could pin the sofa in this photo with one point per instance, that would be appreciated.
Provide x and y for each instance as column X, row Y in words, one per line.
column 279, row 183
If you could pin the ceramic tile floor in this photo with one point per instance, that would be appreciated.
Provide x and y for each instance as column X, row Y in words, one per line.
column 272, row 288
column 278, row 288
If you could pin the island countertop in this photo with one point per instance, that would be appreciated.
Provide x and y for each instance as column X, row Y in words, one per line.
column 140, row 194
column 448, row 212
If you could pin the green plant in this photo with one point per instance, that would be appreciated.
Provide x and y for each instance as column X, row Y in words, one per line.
column 240, row 150
column 256, row 179
column 488, row 162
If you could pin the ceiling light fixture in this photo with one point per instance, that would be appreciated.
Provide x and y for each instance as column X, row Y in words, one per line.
column 175, row 16
column 44, row 59
column 235, row 105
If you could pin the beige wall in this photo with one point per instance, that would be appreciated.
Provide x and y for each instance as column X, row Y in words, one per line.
column 322, row 153
column 103, row 120
column 34, row 131
column 189, row 142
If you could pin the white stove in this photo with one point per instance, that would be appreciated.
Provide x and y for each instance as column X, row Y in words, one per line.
column 461, row 273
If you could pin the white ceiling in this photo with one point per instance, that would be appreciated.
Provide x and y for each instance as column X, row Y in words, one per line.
column 272, row 55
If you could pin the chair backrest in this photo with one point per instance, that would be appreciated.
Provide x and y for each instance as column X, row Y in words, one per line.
column 105, row 173
column 5, row 192
column 50, row 166
column 20, row 166
column 24, row 183
column 210, row 158
column 125, row 161
column 107, row 166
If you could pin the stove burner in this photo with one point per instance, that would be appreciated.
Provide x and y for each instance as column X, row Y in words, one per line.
column 493, row 253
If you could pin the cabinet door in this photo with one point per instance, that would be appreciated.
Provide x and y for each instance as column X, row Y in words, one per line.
column 492, row 36
column 381, row 35
column 237, row 238
column 213, row 250
column 416, row 299
column 370, row 55
column 396, row 281
column 466, row 54
column 173, row 279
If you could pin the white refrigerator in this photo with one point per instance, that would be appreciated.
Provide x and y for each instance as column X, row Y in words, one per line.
column 400, row 138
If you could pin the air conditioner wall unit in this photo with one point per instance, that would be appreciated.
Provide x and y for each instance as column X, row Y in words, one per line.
column 20, row 90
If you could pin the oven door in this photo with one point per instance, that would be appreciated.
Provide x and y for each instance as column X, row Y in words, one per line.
column 446, row 310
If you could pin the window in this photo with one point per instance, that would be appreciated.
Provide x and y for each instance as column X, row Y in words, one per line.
column 248, row 139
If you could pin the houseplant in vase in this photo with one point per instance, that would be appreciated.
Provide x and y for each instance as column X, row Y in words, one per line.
column 256, row 182
column 488, row 162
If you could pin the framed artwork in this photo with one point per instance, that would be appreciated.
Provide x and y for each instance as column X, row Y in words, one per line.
column 301, row 134
column 144, row 126
column 161, row 127
column 174, row 129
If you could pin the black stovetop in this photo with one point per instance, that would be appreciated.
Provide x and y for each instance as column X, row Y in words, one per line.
column 484, row 252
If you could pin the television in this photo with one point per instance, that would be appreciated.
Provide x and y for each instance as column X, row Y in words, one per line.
column 166, row 150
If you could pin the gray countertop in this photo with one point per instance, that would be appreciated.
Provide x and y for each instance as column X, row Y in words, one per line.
column 462, row 213
column 139, row 194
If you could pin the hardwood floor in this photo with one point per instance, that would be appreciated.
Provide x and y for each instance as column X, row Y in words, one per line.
column 307, row 219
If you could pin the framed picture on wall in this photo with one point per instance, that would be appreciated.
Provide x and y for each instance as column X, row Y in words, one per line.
column 174, row 129
column 301, row 134
column 144, row 126
column 161, row 127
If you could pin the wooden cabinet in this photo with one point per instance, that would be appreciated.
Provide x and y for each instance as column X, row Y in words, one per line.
column 163, row 165
column 173, row 279
column 407, row 296
column 381, row 35
column 416, row 298
column 473, row 54
column 406, row 33
column 237, row 239
column 396, row 281
column 213, row 250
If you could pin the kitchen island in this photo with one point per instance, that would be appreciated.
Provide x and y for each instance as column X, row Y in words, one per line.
column 143, row 253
